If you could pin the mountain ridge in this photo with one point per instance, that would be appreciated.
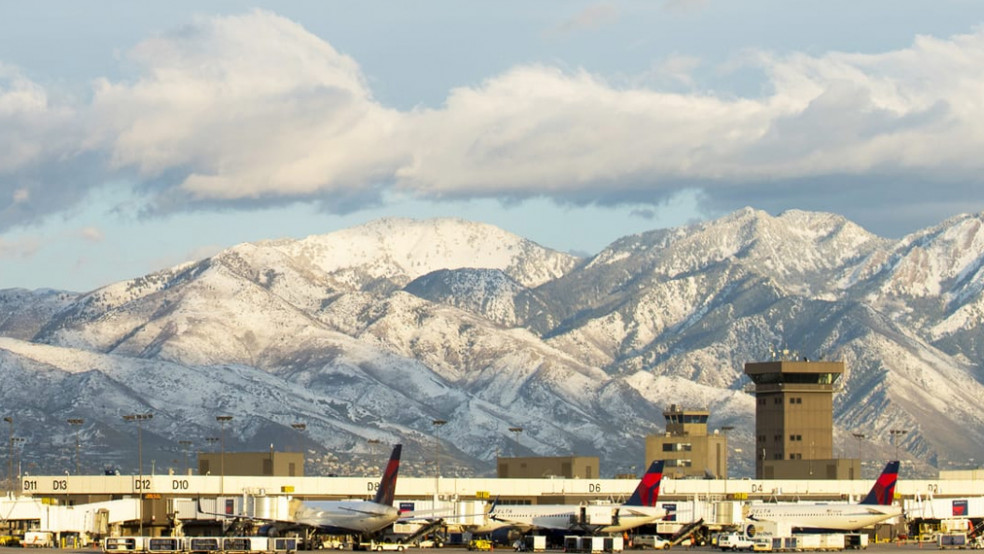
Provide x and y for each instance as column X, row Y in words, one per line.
column 390, row 326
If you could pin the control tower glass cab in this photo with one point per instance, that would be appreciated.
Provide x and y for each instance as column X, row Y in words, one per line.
column 793, row 409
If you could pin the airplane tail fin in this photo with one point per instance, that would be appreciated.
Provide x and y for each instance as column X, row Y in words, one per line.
column 387, row 484
column 647, row 492
column 884, row 490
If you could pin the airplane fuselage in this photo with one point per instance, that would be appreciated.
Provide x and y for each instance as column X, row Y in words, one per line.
column 827, row 517
column 349, row 516
column 591, row 518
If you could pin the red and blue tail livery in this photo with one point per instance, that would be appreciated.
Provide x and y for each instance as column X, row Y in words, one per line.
column 647, row 493
column 387, row 484
column 883, row 492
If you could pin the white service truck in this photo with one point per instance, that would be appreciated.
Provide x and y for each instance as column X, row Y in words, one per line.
column 735, row 541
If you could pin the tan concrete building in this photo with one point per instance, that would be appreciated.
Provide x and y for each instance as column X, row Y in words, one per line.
column 794, row 427
column 572, row 467
column 835, row 468
column 687, row 448
column 279, row 464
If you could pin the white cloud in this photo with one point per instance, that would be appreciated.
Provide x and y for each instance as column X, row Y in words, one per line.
column 245, row 107
column 537, row 130
column 677, row 68
column 684, row 5
column 253, row 108
column 591, row 17
column 23, row 248
column 29, row 126
column 91, row 234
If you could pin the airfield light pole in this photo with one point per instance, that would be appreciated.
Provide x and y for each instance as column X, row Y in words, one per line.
column 438, row 423
column 77, row 423
column 222, row 419
column 10, row 454
column 896, row 434
column 19, row 448
column 139, row 418
column 860, row 437
column 373, row 443
column 299, row 427
column 516, row 431
column 186, row 445
column 725, row 429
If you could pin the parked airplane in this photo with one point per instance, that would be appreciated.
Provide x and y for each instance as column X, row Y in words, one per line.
column 344, row 517
column 356, row 516
column 592, row 518
column 817, row 516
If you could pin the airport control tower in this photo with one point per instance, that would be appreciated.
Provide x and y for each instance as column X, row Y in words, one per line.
column 794, row 420
column 686, row 447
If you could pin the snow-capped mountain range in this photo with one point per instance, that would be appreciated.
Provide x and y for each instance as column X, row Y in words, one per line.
column 379, row 331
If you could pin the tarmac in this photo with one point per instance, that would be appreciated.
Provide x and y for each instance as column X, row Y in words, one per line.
column 880, row 547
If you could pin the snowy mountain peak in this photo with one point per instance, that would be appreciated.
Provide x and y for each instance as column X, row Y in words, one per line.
column 375, row 331
column 404, row 249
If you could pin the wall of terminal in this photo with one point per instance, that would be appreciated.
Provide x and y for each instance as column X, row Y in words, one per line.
column 538, row 467
column 318, row 488
column 289, row 464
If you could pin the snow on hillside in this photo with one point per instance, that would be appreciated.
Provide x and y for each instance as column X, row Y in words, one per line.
column 387, row 248
column 376, row 331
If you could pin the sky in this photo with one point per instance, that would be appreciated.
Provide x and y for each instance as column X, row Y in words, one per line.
column 135, row 136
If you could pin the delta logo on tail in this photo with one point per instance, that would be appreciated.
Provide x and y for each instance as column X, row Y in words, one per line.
column 647, row 493
column 883, row 492
column 387, row 485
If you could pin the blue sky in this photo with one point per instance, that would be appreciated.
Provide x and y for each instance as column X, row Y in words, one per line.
column 137, row 135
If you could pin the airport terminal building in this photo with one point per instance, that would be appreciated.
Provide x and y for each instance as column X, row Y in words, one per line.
column 160, row 505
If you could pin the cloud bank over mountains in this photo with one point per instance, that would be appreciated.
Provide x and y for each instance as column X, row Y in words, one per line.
column 253, row 110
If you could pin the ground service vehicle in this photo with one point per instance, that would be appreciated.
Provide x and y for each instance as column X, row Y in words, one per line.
column 479, row 544
column 735, row 541
column 39, row 539
column 650, row 541
column 386, row 546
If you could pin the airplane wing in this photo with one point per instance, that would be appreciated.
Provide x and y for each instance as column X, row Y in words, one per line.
column 642, row 513
column 522, row 525
column 355, row 511
column 198, row 507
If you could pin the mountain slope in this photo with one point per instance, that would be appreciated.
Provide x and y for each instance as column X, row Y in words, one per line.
column 377, row 331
